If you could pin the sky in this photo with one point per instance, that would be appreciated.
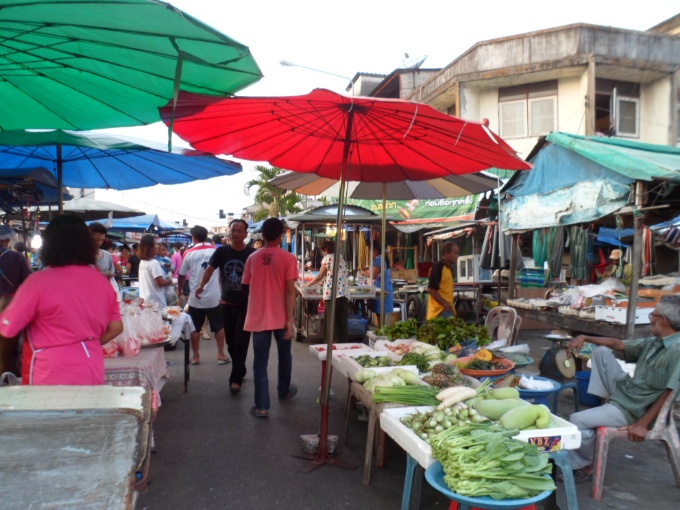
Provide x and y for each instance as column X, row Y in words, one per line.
column 347, row 37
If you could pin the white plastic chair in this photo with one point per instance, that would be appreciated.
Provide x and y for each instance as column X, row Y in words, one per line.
column 502, row 322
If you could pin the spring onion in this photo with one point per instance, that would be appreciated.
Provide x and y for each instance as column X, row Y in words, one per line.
column 410, row 395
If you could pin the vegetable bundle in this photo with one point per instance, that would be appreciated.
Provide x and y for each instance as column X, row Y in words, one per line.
column 446, row 332
column 480, row 459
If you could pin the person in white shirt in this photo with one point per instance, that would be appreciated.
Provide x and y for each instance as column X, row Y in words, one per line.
column 207, row 302
column 152, row 279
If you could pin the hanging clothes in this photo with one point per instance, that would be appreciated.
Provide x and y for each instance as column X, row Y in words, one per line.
column 579, row 247
column 557, row 252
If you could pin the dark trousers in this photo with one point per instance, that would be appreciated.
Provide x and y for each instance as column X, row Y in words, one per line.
column 233, row 317
column 341, row 329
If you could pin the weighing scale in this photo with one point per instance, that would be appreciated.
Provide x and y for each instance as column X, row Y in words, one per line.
column 555, row 363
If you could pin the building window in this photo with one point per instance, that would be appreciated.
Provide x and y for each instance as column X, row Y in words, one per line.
column 528, row 110
column 617, row 108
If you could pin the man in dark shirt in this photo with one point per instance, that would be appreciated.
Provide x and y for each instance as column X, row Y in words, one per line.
column 14, row 269
column 230, row 260
column 134, row 262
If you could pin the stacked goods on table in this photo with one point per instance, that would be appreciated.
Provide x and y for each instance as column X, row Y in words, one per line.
column 319, row 350
column 141, row 326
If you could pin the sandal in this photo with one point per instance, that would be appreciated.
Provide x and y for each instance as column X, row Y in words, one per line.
column 259, row 413
column 580, row 476
column 223, row 361
column 234, row 388
column 292, row 391
column 195, row 361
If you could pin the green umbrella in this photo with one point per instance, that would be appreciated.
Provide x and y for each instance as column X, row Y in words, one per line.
column 83, row 64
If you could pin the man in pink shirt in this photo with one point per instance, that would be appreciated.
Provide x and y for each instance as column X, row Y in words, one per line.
column 271, row 273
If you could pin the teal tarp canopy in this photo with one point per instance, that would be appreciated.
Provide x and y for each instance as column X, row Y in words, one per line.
column 579, row 179
column 635, row 160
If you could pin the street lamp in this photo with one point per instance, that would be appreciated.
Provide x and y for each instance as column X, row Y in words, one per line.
column 286, row 63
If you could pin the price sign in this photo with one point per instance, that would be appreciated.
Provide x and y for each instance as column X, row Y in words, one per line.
column 547, row 443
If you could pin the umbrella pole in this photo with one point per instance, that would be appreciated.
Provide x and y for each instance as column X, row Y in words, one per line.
column 382, row 255
column 60, row 179
column 322, row 457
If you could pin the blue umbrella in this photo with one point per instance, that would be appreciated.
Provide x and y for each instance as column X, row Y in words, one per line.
column 99, row 160
column 145, row 223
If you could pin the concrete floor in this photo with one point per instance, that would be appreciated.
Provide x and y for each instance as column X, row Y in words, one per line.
column 212, row 454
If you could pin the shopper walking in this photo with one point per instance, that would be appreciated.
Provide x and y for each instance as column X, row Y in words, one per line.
column 229, row 260
column 206, row 302
column 271, row 274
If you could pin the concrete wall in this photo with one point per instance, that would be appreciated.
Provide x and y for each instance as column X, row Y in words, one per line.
column 571, row 110
column 655, row 113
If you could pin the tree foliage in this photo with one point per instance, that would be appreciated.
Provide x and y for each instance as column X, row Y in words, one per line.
column 275, row 202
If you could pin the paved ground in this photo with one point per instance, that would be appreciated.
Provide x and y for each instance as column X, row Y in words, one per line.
column 212, row 454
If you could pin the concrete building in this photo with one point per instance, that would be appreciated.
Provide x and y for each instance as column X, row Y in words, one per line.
column 582, row 79
column 399, row 84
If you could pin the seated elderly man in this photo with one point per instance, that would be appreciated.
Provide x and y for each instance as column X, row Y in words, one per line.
column 632, row 403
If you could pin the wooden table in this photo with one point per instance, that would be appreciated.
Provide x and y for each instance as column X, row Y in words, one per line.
column 358, row 392
column 72, row 446
column 556, row 320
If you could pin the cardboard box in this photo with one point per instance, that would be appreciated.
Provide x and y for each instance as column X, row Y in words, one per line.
column 617, row 314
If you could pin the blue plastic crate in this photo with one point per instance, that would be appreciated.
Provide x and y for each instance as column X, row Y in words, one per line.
column 356, row 328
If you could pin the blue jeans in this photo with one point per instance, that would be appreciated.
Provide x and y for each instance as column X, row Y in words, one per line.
column 262, row 341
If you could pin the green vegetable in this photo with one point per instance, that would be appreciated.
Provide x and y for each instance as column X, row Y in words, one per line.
column 526, row 416
column 400, row 329
column 364, row 375
column 495, row 409
column 408, row 376
column 484, row 460
column 449, row 331
column 412, row 395
column 504, row 393
column 422, row 361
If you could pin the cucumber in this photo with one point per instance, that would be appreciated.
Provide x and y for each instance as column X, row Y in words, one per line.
column 495, row 409
column 504, row 393
column 520, row 417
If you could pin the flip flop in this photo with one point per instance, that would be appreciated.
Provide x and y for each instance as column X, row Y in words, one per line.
column 258, row 413
column 580, row 476
column 223, row 361
column 195, row 362
column 234, row 388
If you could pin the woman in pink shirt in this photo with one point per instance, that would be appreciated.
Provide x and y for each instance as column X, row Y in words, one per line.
column 67, row 311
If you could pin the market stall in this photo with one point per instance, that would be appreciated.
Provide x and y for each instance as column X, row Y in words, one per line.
column 578, row 182
column 309, row 323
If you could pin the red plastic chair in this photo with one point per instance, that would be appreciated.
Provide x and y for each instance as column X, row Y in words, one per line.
column 664, row 430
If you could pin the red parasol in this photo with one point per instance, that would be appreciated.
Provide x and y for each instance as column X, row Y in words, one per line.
column 343, row 138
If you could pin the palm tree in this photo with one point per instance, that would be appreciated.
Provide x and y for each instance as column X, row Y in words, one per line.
column 274, row 201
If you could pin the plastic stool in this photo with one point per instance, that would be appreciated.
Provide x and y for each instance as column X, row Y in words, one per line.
column 563, row 461
column 410, row 499
column 555, row 397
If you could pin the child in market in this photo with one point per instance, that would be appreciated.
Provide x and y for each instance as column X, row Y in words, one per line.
column 168, row 268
